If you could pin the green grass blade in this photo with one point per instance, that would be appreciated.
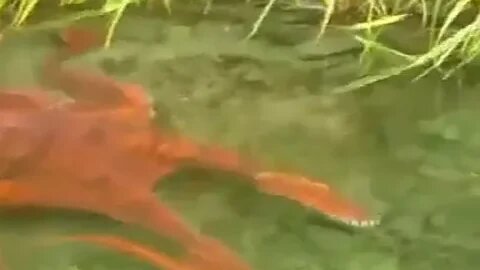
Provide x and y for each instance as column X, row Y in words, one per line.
column 376, row 23
column 330, row 8
column 456, row 10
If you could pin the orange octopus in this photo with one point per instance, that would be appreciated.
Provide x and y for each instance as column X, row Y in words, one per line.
column 100, row 152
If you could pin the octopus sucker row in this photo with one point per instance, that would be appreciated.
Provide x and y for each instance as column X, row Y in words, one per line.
column 363, row 223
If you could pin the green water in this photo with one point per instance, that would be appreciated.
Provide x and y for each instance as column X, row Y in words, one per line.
column 409, row 150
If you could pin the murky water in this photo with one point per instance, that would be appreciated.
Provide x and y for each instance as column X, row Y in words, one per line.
column 403, row 149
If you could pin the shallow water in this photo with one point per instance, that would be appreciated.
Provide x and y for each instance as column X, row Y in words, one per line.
column 404, row 149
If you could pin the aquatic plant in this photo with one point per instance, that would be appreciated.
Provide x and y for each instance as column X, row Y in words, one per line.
column 450, row 27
